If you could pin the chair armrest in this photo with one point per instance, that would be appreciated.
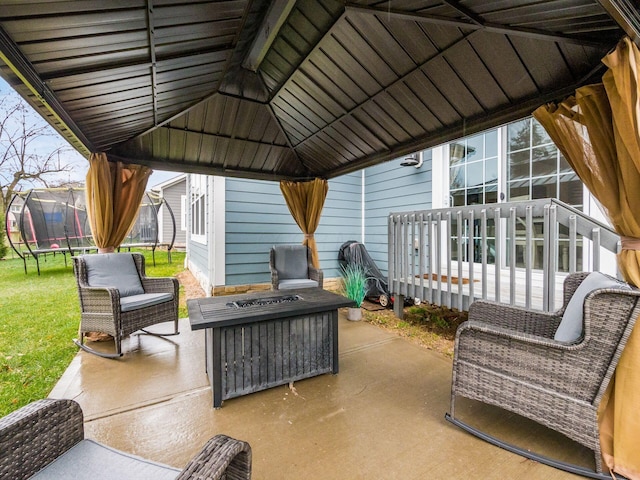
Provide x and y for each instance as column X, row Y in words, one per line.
column 36, row 434
column 317, row 275
column 220, row 456
column 514, row 335
column 99, row 299
column 274, row 279
column 533, row 322
column 161, row 285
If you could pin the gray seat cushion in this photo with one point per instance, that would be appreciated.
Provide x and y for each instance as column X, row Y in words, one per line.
column 134, row 302
column 291, row 261
column 113, row 270
column 297, row 283
column 93, row 461
column 570, row 328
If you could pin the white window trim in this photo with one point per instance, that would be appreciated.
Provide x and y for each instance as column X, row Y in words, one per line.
column 198, row 200
column 184, row 207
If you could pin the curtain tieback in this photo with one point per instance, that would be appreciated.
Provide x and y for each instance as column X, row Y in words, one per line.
column 309, row 236
column 630, row 243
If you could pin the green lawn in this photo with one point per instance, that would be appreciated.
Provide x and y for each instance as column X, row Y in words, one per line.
column 38, row 320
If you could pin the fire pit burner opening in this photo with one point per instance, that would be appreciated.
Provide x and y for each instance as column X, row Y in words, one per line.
column 253, row 302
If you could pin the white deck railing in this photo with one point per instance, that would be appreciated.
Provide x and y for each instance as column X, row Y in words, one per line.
column 516, row 253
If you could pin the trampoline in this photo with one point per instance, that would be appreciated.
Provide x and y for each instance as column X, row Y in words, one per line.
column 145, row 230
column 50, row 221
column 55, row 221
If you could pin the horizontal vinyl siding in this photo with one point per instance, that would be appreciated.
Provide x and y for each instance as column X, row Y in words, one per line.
column 390, row 187
column 198, row 257
column 341, row 220
column 257, row 218
column 172, row 195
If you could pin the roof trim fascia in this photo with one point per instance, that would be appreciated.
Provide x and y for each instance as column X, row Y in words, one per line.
column 204, row 169
column 626, row 14
column 24, row 70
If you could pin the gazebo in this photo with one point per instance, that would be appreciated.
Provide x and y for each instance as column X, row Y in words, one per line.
column 299, row 91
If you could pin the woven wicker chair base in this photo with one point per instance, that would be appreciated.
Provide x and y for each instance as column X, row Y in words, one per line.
column 105, row 337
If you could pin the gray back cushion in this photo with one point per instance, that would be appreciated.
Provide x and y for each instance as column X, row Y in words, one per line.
column 113, row 270
column 570, row 328
column 291, row 261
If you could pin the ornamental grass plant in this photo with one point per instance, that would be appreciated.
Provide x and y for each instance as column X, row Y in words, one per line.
column 354, row 283
column 40, row 317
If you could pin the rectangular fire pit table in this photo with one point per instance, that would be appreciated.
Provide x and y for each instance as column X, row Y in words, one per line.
column 261, row 340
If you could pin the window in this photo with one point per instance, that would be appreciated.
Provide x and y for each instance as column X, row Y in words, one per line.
column 473, row 180
column 198, row 208
column 537, row 169
column 473, row 170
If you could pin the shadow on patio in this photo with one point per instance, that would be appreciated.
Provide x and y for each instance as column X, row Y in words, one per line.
column 382, row 416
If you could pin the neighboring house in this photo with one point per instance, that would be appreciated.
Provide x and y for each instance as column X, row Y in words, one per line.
column 234, row 222
column 174, row 193
column 13, row 230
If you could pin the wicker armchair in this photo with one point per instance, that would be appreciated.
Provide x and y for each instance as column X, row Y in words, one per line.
column 291, row 268
column 507, row 356
column 118, row 299
column 34, row 438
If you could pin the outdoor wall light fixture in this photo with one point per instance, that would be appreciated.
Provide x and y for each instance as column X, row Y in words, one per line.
column 273, row 20
column 413, row 160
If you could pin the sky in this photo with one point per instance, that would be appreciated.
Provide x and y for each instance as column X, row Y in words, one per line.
column 79, row 164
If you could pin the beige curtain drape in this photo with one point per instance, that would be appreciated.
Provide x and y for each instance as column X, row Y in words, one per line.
column 598, row 133
column 114, row 191
column 305, row 201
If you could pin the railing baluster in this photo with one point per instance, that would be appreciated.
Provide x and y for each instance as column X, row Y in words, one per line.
column 553, row 256
column 497, row 220
column 423, row 250
column 400, row 253
column 470, row 256
column 572, row 244
column 431, row 252
column 483, row 240
column 391, row 252
column 448, row 230
column 512, row 256
column 459, row 224
column 595, row 238
column 439, row 256
column 412, row 246
column 529, row 246
column 405, row 246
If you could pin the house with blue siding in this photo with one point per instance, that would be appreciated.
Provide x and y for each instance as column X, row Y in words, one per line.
column 234, row 222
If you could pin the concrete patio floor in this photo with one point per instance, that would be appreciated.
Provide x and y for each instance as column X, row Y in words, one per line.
column 381, row 417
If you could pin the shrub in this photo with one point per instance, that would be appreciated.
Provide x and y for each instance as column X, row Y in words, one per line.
column 3, row 241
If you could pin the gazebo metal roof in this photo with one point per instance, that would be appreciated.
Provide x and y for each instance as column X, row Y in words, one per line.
column 296, row 89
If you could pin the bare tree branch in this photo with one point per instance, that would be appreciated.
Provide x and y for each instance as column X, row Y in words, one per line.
column 27, row 156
